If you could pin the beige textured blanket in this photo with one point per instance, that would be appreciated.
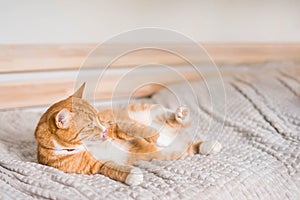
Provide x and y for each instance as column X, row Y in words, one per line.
column 259, row 129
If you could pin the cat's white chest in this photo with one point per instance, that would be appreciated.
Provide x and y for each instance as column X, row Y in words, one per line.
column 107, row 150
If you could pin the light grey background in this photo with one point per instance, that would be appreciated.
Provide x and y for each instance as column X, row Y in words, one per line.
column 89, row 21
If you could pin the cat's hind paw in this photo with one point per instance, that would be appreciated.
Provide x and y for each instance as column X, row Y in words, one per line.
column 135, row 177
column 182, row 114
column 210, row 147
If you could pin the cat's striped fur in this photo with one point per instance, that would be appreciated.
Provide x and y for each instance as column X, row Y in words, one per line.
column 74, row 137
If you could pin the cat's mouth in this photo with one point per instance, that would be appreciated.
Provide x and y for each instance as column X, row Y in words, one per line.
column 95, row 137
column 104, row 135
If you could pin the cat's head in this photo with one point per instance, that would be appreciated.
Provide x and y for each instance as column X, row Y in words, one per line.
column 74, row 119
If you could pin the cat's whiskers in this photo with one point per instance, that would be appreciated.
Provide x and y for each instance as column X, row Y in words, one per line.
column 89, row 137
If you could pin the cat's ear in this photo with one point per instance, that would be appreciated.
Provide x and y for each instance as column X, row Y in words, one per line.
column 63, row 119
column 79, row 92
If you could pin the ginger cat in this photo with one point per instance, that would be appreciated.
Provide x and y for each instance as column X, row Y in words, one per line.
column 75, row 138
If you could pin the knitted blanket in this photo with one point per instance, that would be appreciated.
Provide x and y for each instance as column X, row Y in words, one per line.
column 256, row 117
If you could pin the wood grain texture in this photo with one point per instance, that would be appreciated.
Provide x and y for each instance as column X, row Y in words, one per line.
column 37, row 75
column 20, row 58
column 114, row 84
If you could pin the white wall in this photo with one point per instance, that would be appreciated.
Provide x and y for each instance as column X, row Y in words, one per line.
column 75, row 21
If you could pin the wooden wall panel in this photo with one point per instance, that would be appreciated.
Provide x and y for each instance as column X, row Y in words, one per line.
column 44, row 91
column 20, row 58
column 38, row 75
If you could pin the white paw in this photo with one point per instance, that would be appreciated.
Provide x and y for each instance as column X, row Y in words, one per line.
column 210, row 147
column 135, row 177
column 182, row 114
column 165, row 139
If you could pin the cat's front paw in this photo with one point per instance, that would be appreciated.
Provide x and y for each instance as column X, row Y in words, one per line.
column 210, row 147
column 182, row 114
column 135, row 177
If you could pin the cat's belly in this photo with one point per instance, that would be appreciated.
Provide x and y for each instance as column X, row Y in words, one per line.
column 169, row 146
column 108, row 150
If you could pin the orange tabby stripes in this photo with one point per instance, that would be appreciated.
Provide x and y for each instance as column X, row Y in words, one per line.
column 74, row 137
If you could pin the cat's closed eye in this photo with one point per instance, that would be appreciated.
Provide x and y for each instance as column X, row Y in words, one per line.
column 91, row 125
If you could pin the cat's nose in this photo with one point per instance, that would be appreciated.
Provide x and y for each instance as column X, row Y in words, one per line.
column 104, row 134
